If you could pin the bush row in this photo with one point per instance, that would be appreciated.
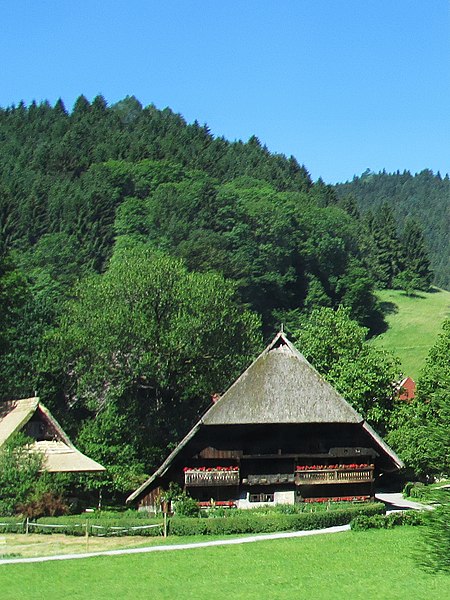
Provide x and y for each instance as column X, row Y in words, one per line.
column 11, row 525
column 270, row 523
column 76, row 525
column 416, row 490
column 101, row 516
column 287, row 509
column 364, row 522
column 422, row 492
column 242, row 522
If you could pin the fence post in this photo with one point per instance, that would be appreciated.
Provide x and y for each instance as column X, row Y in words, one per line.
column 87, row 536
column 165, row 525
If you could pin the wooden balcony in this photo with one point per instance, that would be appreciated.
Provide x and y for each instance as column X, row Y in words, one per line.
column 269, row 479
column 212, row 477
column 330, row 476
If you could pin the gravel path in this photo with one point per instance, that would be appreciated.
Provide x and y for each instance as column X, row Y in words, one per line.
column 393, row 501
column 231, row 542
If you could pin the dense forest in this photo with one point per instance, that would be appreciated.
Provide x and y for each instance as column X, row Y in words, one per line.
column 143, row 262
column 423, row 197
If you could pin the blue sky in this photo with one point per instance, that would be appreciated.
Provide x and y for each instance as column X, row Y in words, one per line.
column 343, row 85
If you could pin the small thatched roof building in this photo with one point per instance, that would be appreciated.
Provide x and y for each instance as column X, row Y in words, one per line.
column 282, row 433
column 32, row 418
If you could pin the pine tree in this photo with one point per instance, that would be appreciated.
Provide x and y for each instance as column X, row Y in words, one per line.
column 415, row 254
column 60, row 107
column 81, row 107
column 349, row 204
column 387, row 254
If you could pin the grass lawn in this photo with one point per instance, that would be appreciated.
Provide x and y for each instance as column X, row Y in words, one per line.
column 414, row 324
column 376, row 564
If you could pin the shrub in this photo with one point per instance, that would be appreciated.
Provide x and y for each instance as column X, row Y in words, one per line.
column 407, row 488
column 435, row 552
column 417, row 490
column 253, row 522
column 47, row 504
column 186, row 506
column 19, row 473
column 364, row 522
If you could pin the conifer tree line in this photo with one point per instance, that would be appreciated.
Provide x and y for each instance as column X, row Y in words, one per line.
column 417, row 208
column 143, row 262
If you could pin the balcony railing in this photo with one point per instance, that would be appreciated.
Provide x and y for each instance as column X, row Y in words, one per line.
column 339, row 475
column 211, row 477
column 272, row 478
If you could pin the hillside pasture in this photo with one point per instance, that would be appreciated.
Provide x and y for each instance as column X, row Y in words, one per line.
column 414, row 322
column 372, row 564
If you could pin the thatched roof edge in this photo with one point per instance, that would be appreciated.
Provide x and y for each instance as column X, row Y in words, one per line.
column 396, row 459
column 166, row 464
column 31, row 405
column 60, row 455
column 48, row 415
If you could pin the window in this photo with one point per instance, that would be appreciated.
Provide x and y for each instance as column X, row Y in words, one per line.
column 260, row 498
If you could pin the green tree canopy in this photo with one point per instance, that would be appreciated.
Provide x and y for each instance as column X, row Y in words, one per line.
column 421, row 428
column 337, row 347
column 149, row 341
column 19, row 473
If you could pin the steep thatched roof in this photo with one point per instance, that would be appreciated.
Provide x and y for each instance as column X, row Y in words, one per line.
column 14, row 414
column 61, row 458
column 60, row 455
column 279, row 387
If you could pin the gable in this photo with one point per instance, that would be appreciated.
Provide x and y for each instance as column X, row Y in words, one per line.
column 281, row 386
column 14, row 414
column 60, row 455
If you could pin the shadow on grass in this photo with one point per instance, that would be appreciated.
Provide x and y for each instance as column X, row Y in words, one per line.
column 388, row 308
column 413, row 295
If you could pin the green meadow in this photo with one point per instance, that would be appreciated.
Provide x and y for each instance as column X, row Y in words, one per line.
column 375, row 564
column 414, row 324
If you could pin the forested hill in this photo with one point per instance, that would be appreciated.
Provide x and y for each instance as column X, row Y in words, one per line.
column 424, row 196
column 73, row 183
column 143, row 262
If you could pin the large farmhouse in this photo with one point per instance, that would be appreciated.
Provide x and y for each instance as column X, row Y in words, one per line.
column 279, row 434
column 32, row 418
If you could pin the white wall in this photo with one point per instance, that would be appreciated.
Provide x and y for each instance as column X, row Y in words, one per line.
column 287, row 497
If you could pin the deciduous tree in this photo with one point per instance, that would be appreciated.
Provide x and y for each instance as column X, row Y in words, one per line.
column 337, row 347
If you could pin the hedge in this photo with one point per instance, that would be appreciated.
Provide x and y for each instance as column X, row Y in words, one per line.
column 11, row 525
column 269, row 523
column 76, row 525
column 250, row 522
column 364, row 522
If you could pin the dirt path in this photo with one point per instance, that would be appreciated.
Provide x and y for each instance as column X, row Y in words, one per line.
column 229, row 542
column 395, row 501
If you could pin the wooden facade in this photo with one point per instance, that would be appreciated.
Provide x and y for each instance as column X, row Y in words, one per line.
column 280, row 434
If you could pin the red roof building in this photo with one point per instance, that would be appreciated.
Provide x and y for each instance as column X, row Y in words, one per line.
column 407, row 389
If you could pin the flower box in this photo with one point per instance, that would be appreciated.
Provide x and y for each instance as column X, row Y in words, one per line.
column 211, row 476
column 338, row 499
column 217, row 504
column 321, row 474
